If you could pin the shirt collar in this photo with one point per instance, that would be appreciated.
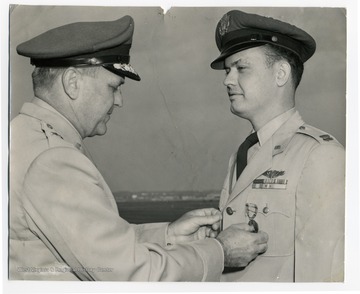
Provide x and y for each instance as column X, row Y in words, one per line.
column 41, row 110
column 47, row 106
column 266, row 132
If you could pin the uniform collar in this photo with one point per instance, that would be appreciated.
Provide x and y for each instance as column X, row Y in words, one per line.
column 41, row 110
column 267, row 131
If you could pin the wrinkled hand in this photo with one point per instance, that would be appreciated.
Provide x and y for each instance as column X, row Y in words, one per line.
column 195, row 225
column 241, row 245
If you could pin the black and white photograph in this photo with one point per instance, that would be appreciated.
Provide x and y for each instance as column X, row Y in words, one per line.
column 209, row 144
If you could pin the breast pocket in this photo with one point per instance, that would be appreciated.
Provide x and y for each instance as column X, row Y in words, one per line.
column 275, row 216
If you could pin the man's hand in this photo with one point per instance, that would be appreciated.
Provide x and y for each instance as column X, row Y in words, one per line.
column 241, row 245
column 195, row 225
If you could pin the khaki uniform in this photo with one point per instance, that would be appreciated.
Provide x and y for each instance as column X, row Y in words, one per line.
column 296, row 180
column 64, row 221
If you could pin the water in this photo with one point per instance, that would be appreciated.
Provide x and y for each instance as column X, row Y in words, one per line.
column 138, row 212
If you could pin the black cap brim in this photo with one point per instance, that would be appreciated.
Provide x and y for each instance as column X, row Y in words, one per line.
column 218, row 63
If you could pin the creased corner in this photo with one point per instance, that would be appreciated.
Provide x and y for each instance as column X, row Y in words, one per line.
column 165, row 7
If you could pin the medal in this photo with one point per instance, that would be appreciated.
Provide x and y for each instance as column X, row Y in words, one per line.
column 251, row 212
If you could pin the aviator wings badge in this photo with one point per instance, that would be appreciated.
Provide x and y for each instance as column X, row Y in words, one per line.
column 272, row 182
column 273, row 173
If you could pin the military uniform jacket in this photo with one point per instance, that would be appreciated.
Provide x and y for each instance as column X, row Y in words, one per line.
column 64, row 222
column 296, row 180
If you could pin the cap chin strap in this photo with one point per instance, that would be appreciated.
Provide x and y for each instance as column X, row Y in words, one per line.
column 80, row 61
column 245, row 37
column 242, row 39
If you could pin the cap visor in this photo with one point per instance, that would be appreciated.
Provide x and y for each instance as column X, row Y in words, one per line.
column 218, row 63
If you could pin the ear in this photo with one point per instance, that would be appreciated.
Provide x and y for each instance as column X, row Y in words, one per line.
column 71, row 82
column 283, row 73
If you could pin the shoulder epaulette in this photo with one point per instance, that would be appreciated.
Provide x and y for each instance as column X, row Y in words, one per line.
column 317, row 134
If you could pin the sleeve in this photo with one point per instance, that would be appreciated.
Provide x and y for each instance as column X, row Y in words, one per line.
column 151, row 233
column 320, row 216
column 67, row 208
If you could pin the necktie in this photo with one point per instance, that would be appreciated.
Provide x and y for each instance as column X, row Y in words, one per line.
column 251, row 140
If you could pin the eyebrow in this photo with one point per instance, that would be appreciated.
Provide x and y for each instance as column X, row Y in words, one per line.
column 236, row 62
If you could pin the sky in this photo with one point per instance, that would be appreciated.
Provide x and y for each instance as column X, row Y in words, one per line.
column 175, row 130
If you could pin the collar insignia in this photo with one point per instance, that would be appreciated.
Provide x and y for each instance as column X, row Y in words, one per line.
column 326, row 137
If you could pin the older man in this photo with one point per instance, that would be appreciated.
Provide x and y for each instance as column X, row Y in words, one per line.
column 287, row 178
column 64, row 222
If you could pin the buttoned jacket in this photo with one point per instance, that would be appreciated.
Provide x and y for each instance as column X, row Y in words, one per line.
column 296, row 181
column 64, row 221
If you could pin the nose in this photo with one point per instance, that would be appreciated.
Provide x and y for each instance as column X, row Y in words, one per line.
column 230, row 78
column 118, row 99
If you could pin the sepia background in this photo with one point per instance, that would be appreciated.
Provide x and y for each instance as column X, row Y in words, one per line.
column 175, row 131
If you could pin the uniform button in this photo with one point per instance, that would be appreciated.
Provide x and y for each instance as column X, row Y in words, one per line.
column 229, row 211
column 78, row 146
column 49, row 126
column 302, row 128
column 266, row 210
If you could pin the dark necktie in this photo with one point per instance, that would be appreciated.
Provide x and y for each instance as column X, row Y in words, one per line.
column 242, row 153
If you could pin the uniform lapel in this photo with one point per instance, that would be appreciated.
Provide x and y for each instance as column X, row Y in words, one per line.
column 259, row 163
column 262, row 160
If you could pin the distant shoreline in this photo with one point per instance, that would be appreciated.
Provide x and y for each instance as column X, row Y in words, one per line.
column 154, row 196
column 164, row 200
column 148, row 211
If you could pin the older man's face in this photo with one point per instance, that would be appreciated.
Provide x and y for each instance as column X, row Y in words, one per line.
column 99, row 96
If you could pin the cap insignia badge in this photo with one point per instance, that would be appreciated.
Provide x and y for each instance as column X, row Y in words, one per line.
column 224, row 24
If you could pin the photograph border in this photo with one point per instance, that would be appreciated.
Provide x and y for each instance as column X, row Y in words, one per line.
column 352, row 255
